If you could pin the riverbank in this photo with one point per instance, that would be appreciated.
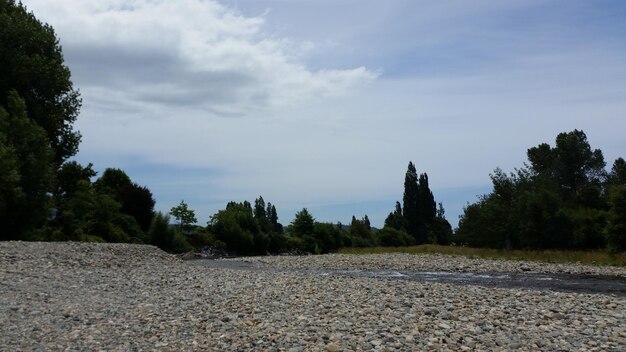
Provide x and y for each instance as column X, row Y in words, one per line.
column 85, row 296
column 589, row 257
column 429, row 262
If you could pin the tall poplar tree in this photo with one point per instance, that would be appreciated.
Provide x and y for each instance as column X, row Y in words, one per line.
column 410, row 209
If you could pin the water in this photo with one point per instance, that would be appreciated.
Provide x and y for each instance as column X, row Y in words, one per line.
column 553, row 282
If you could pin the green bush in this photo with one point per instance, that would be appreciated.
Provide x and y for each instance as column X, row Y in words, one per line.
column 390, row 237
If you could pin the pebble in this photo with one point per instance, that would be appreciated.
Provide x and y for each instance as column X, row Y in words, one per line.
column 84, row 296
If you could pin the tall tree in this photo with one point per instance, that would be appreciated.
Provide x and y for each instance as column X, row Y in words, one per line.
column 261, row 215
column 410, row 209
column 31, row 62
column 273, row 218
column 427, row 209
column 25, row 170
column 366, row 222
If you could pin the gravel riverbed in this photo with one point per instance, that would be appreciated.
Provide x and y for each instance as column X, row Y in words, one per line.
column 79, row 296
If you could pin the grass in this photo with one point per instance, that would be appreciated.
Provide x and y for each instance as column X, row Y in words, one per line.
column 549, row 256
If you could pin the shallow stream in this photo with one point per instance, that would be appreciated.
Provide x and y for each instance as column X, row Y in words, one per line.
column 539, row 281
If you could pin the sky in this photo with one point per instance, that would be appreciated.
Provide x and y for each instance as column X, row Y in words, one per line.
column 322, row 103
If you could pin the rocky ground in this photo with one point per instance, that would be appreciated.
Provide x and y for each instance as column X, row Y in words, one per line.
column 76, row 296
column 427, row 262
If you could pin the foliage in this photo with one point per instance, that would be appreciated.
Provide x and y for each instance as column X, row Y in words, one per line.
column 558, row 200
column 392, row 237
column 183, row 215
column 410, row 199
column 25, row 170
column 135, row 200
column 395, row 219
column 162, row 235
column 419, row 217
column 31, row 63
column 616, row 229
column 303, row 223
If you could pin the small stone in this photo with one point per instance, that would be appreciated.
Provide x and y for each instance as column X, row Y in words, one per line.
column 332, row 347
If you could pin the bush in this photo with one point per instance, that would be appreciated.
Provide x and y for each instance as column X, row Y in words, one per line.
column 390, row 237
column 160, row 232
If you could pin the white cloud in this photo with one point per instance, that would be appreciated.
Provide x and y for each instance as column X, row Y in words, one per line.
column 191, row 53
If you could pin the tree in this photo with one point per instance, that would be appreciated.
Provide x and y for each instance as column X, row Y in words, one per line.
column 25, row 170
column 616, row 229
column 303, row 223
column 31, row 63
column 410, row 210
column 160, row 233
column 183, row 215
column 392, row 237
column 395, row 219
column 69, row 175
column 617, row 176
column 273, row 219
column 112, row 180
column 557, row 201
column 440, row 228
column 570, row 165
column 261, row 215
column 238, row 229
column 366, row 222
column 136, row 201
column 427, row 209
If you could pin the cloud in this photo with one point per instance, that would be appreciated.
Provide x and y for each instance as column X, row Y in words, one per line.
column 188, row 53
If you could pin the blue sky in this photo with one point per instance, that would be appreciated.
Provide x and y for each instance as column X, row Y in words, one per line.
column 321, row 104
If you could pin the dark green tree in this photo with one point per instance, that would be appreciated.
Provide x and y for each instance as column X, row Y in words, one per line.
column 441, row 228
column 135, row 200
column 366, row 222
column 427, row 210
column 303, row 223
column 392, row 237
column 557, row 201
column 395, row 219
column 238, row 229
column 112, row 180
column 138, row 202
column 261, row 215
column 361, row 232
column 616, row 229
column 25, row 170
column 272, row 215
column 69, row 175
column 617, row 176
column 410, row 199
column 160, row 233
column 31, row 63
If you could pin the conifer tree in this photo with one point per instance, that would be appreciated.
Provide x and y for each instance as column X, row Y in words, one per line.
column 410, row 210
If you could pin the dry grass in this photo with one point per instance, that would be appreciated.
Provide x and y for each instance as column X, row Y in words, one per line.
column 551, row 256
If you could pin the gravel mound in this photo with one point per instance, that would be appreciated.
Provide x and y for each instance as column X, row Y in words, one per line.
column 77, row 296
column 427, row 262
